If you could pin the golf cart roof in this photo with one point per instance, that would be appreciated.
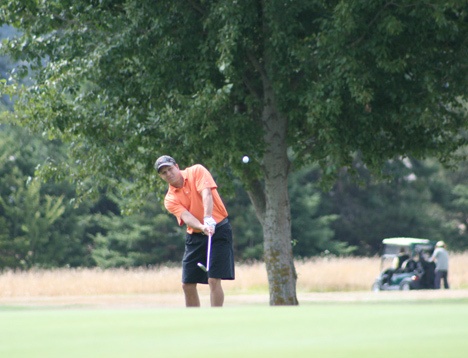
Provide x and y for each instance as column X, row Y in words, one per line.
column 404, row 241
column 392, row 245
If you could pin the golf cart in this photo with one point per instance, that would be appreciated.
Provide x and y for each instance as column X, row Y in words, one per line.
column 415, row 273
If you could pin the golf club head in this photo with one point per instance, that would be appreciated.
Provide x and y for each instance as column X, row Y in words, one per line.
column 202, row 267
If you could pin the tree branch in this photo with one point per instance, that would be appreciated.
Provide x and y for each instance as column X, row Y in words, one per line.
column 251, row 88
column 197, row 7
column 256, row 194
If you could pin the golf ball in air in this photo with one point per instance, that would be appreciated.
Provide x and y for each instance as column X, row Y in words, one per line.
column 245, row 159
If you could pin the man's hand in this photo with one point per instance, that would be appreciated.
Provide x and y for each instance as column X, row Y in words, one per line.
column 209, row 221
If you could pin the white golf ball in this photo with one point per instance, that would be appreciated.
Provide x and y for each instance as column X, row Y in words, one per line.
column 245, row 159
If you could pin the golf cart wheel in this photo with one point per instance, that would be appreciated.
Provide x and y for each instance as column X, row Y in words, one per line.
column 405, row 286
column 376, row 287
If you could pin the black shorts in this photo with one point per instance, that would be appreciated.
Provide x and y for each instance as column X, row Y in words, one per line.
column 221, row 260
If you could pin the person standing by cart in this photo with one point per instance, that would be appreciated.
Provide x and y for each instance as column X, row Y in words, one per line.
column 441, row 259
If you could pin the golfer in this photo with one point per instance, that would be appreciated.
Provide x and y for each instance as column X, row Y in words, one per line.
column 193, row 199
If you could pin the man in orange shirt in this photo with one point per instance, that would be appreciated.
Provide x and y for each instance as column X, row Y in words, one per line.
column 193, row 199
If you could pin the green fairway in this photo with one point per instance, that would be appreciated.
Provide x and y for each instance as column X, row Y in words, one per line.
column 432, row 329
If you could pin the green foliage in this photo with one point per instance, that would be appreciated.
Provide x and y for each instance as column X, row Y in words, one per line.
column 247, row 231
column 384, row 83
column 37, row 215
column 312, row 230
column 39, row 227
column 285, row 82
column 415, row 200
column 142, row 239
column 461, row 192
column 419, row 199
column 376, row 77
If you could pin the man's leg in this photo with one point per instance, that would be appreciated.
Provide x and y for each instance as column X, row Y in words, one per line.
column 437, row 278
column 216, row 292
column 191, row 295
column 445, row 277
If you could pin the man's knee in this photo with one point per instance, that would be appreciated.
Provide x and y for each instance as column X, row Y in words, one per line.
column 189, row 287
column 214, row 282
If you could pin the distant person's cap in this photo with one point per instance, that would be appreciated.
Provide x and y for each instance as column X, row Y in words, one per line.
column 440, row 244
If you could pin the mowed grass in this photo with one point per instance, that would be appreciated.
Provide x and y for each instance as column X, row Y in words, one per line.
column 434, row 327
column 396, row 329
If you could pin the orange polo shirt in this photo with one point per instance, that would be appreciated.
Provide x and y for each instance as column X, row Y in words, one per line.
column 177, row 200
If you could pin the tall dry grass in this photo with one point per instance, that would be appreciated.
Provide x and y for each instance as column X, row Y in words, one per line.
column 314, row 275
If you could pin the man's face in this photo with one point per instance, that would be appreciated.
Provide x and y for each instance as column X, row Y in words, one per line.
column 171, row 175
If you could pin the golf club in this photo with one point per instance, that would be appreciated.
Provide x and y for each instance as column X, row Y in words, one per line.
column 207, row 267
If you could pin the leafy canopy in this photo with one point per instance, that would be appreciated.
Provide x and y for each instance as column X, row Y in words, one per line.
column 123, row 81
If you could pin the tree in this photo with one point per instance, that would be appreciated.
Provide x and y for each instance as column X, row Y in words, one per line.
column 311, row 230
column 42, row 225
column 412, row 201
column 286, row 82
column 5, row 65
column 143, row 239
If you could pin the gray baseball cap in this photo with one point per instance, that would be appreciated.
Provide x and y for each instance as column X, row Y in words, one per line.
column 162, row 161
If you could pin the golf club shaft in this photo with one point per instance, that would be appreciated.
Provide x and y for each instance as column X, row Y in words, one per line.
column 208, row 253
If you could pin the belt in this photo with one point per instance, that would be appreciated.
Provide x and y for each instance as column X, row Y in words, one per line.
column 222, row 222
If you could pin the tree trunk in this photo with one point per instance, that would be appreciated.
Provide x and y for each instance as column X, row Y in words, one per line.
column 277, row 216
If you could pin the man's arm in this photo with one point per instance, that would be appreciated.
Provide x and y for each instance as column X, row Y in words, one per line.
column 193, row 222
column 207, row 199
column 207, row 202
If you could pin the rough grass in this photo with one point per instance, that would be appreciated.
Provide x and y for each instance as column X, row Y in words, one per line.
column 314, row 275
